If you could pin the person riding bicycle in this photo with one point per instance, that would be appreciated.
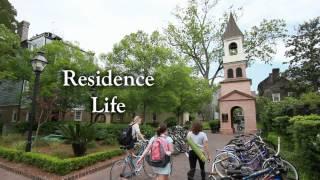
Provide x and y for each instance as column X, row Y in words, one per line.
column 136, row 133
column 201, row 140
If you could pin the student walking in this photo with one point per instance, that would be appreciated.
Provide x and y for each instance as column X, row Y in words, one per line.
column 201, row 140
column 158, row 153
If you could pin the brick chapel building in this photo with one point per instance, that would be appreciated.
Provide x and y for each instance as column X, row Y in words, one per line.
column 236, row 101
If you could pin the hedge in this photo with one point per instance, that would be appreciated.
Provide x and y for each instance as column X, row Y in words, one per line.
column 214, row 125
column 306, row 134
column 280, row 124
column 301, row 140
column 171, row 121
column 104, row 131
column 54, row 164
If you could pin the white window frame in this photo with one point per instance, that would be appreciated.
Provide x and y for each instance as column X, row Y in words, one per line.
column 276, row 97
column 27, row 116
column 14, row 116
column 75, row 115
column 26, row 86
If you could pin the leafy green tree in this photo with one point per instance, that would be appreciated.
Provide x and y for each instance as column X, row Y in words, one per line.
column 183, row 93
column 139, row 54
column 8, row 15
column 198, row 35
column 61, row 56
column 14, row 60
column 304, row 54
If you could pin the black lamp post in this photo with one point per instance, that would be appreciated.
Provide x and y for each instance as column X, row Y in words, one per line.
column 39, row 62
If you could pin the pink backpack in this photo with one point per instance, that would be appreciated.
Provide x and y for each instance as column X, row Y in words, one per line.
column 158, row 149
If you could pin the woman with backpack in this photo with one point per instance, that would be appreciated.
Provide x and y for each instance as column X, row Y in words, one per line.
column 159, row 152
column 201, row 141
column 135, row 133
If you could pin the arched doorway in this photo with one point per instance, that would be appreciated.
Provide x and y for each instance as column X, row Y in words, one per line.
column 237, row 119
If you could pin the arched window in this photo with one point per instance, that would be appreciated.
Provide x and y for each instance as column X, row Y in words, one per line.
column 239, row 72
column 233, row 49
column 230, row 73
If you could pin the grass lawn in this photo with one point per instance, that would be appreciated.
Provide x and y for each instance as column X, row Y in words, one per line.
column 57, row 149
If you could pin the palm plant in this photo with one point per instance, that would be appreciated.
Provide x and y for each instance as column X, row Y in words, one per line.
column 79, row 135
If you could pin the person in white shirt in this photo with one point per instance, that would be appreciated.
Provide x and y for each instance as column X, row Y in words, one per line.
column 136, row 133
column 201, row 140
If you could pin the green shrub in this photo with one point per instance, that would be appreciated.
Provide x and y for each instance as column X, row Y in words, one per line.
column 280, row 124
column 305, row 133
column 79, row 135
column 111, row 140
column 153, row 124
column 23, row 126
column 214, row 125
column 54, row 164
column 19, row 145
column 104, row 131
column 206, row 125
column 8, row 139
column 148, row 131
column 171, row 121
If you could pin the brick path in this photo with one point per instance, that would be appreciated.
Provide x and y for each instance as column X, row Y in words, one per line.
column 180, row 162
column 6, row 175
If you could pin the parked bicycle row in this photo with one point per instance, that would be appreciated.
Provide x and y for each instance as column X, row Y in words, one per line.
column 249, row 157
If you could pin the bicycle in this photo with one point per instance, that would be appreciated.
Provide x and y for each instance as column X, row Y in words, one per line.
column 272, row 168
column 127, row 168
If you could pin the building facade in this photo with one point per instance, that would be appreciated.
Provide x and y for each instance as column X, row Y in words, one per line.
column 236, row 101
column 275, row 86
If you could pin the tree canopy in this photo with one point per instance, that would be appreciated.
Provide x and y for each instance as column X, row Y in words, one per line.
column 304, row 53
column 175, row 89
column 8, row 15
column 14, row 60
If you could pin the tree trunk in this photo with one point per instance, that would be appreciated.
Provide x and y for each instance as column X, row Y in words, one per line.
column 38, row 127
column 144, row 112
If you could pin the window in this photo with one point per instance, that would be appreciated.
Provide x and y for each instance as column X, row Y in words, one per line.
column 25, row 86
column 154, row 117
column 230, row 73
column 233, row 49
column 239, row 72
column 14, row 116
column 77, row 115
column 224, row 117
column 27, row 116
column 290, row 94
column 276, row 97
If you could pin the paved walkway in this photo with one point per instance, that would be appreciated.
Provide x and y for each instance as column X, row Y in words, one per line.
column 180, row 162
column 6, row 175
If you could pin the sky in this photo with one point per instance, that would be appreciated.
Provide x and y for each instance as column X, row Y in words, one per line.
column 98, row 24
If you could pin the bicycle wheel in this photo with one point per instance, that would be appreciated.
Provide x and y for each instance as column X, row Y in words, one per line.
column 224, row 161
column 120, row 170
column 289, row 172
